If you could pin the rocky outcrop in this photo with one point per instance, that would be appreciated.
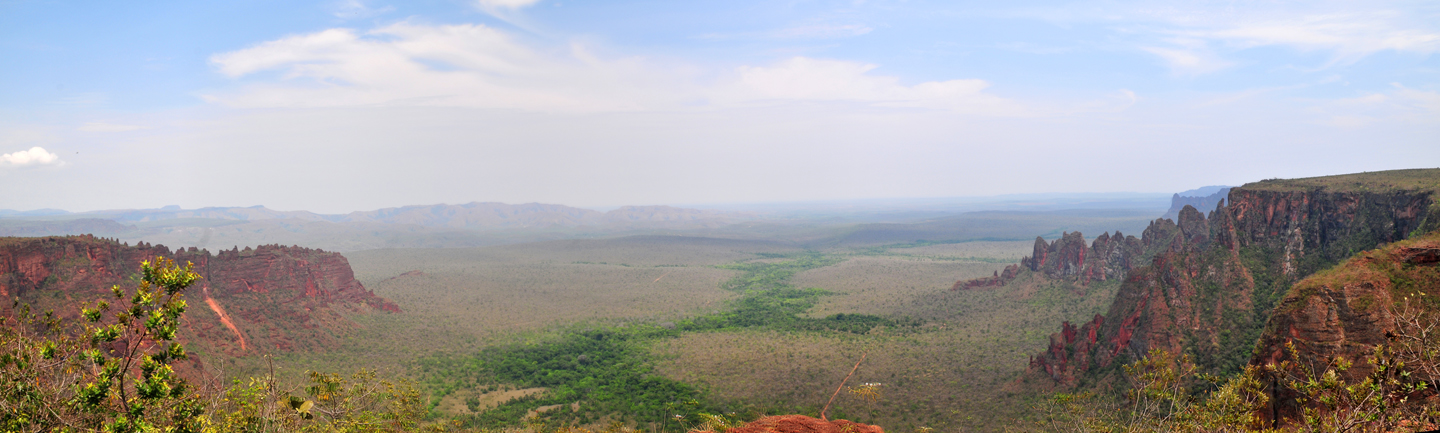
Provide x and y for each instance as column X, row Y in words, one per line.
column 280, row 298
column 993, row 281
column 1207, row 284
column 1109, row 257
column 1069, row 351
column 1348, row 310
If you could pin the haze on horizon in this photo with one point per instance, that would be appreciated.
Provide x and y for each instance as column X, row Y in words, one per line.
column 335, row 106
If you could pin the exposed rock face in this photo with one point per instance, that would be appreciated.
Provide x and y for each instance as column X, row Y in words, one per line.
column 1208, row 284
column 1069, row 350
column 1107, row 258
column 802, row 424
column 1348, row 310
column 279, row 297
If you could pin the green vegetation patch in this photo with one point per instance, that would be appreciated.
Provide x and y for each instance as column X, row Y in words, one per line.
column 595, row 374
column 605, row 371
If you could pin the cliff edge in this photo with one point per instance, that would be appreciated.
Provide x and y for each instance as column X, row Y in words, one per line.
column 1213, row 280
column 253, row 300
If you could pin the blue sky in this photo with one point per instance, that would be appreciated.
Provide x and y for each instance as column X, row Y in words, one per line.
column 335, row 106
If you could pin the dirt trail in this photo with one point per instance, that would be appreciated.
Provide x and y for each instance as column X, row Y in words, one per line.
column 224, row 318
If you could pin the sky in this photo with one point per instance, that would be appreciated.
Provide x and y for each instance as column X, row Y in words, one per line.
column 341, row 105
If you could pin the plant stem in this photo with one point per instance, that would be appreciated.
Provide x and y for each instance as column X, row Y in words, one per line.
column 842, row 386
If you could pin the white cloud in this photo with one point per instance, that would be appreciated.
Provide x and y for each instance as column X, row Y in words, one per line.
column 409, row 65
column 818, row 31
column 1347, row 30
column 107, row 127
column 36, row 156
column 1349, row 36
column 1189, row 60
column 505, row 4
column 357, row 9
column 477, row 66
column 1402, row 105
column 806, row 79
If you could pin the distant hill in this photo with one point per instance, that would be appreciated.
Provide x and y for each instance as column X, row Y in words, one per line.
column 488, row 216
column 474, row 215
column 98, row 226
column 1203, row 199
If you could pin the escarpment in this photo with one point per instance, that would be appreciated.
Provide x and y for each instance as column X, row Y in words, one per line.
column 277, row 297
column 1377, row 297
column 1206, row 285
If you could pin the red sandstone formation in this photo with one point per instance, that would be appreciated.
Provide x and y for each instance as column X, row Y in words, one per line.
column 1347, row 311
column 1195, row 293
column 1109, row 257
column 802, row 424
column 277, row 297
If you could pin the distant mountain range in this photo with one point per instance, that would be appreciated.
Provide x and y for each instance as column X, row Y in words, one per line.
column 473, row 215
column 863, row 222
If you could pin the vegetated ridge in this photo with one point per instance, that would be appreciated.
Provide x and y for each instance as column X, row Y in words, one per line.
column 1346, row 311
column 277, row 298
column 1211, row 289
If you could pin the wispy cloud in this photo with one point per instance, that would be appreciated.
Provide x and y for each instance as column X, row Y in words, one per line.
column 1188, row 57
column 807, row 79
column 816, row 31
column 107, row 127
column 1348, row 36
column 36, row 156
column 1347, row 31
column 479, row 66
column 1401, row 104
column 357, row 9
column 506, row 4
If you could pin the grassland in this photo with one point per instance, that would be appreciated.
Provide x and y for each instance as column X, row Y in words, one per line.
column 955, row 370
column 958, row 372
column 459, row 300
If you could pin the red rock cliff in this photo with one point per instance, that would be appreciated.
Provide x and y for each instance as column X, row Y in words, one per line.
column 1348, row 310
column 281, row 298
column 1212, row 282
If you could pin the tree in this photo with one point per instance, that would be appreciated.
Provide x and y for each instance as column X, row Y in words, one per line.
column 112, row 372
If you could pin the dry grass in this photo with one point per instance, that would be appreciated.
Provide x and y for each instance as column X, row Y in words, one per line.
column 957, row 373
column 952, row 374
column 495, row 290
column 887, row 285
column 454, row 404
column 1004, row 250
column 463, row 299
